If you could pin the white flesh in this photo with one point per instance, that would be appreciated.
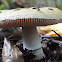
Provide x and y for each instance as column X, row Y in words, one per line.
column 32, row 41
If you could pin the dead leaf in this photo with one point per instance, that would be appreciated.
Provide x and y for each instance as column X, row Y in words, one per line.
column 10, row 53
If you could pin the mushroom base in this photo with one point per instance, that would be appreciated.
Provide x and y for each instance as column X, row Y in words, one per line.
column 31, row 41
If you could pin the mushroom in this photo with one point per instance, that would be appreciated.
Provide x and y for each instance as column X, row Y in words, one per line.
column 10, row 53
column 28, row 19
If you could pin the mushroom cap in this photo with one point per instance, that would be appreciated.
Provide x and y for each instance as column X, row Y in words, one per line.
column 30, row 17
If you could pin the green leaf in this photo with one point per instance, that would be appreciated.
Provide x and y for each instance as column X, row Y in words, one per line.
column 2, row 6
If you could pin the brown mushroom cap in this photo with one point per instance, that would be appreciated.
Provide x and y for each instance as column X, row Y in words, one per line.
column 30, row 17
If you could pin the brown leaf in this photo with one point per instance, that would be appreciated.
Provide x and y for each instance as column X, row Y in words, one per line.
column 11, row 53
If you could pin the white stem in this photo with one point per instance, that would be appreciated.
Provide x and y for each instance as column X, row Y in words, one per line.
column 32, row 41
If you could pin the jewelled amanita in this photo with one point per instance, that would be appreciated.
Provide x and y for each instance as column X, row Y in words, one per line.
column 28, row 19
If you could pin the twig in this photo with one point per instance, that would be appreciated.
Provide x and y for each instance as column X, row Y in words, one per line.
column 57, row 34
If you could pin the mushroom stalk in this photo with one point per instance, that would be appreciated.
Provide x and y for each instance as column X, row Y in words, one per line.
column 31, row 41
